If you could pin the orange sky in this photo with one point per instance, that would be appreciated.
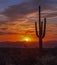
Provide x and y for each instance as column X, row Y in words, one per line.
column 29, row 31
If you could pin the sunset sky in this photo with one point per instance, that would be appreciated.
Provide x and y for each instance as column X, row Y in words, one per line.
column 17, row 19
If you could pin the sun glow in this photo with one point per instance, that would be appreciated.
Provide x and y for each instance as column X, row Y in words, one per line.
column 27, row 39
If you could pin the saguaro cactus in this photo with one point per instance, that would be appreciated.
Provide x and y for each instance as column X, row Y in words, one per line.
column 42, row 29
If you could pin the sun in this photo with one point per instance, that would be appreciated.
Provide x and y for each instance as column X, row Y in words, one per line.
column 27, row 39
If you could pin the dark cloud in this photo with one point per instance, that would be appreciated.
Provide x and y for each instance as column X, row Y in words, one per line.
column 29, row 32
column 2, row 33
column 3, row 22
column 19, row 11
column 48, row 15
column 3, row 29
column 52, row 14
column 3, row 1
column 12, row 24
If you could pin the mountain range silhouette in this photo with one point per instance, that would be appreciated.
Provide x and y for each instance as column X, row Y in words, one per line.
column 48, row 44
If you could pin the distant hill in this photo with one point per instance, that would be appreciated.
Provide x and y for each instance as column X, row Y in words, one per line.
column 49, row 44
column 12, row 44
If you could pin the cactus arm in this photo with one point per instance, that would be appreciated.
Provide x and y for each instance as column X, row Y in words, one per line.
column 36, row 29
column 44, row 29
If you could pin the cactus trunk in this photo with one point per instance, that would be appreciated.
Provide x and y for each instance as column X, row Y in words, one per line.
column 40, row 43
column 42, row 29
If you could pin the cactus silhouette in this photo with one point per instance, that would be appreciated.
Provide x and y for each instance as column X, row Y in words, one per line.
column 42, row 29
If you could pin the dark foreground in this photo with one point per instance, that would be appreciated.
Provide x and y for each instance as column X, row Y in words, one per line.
column 26, row 56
